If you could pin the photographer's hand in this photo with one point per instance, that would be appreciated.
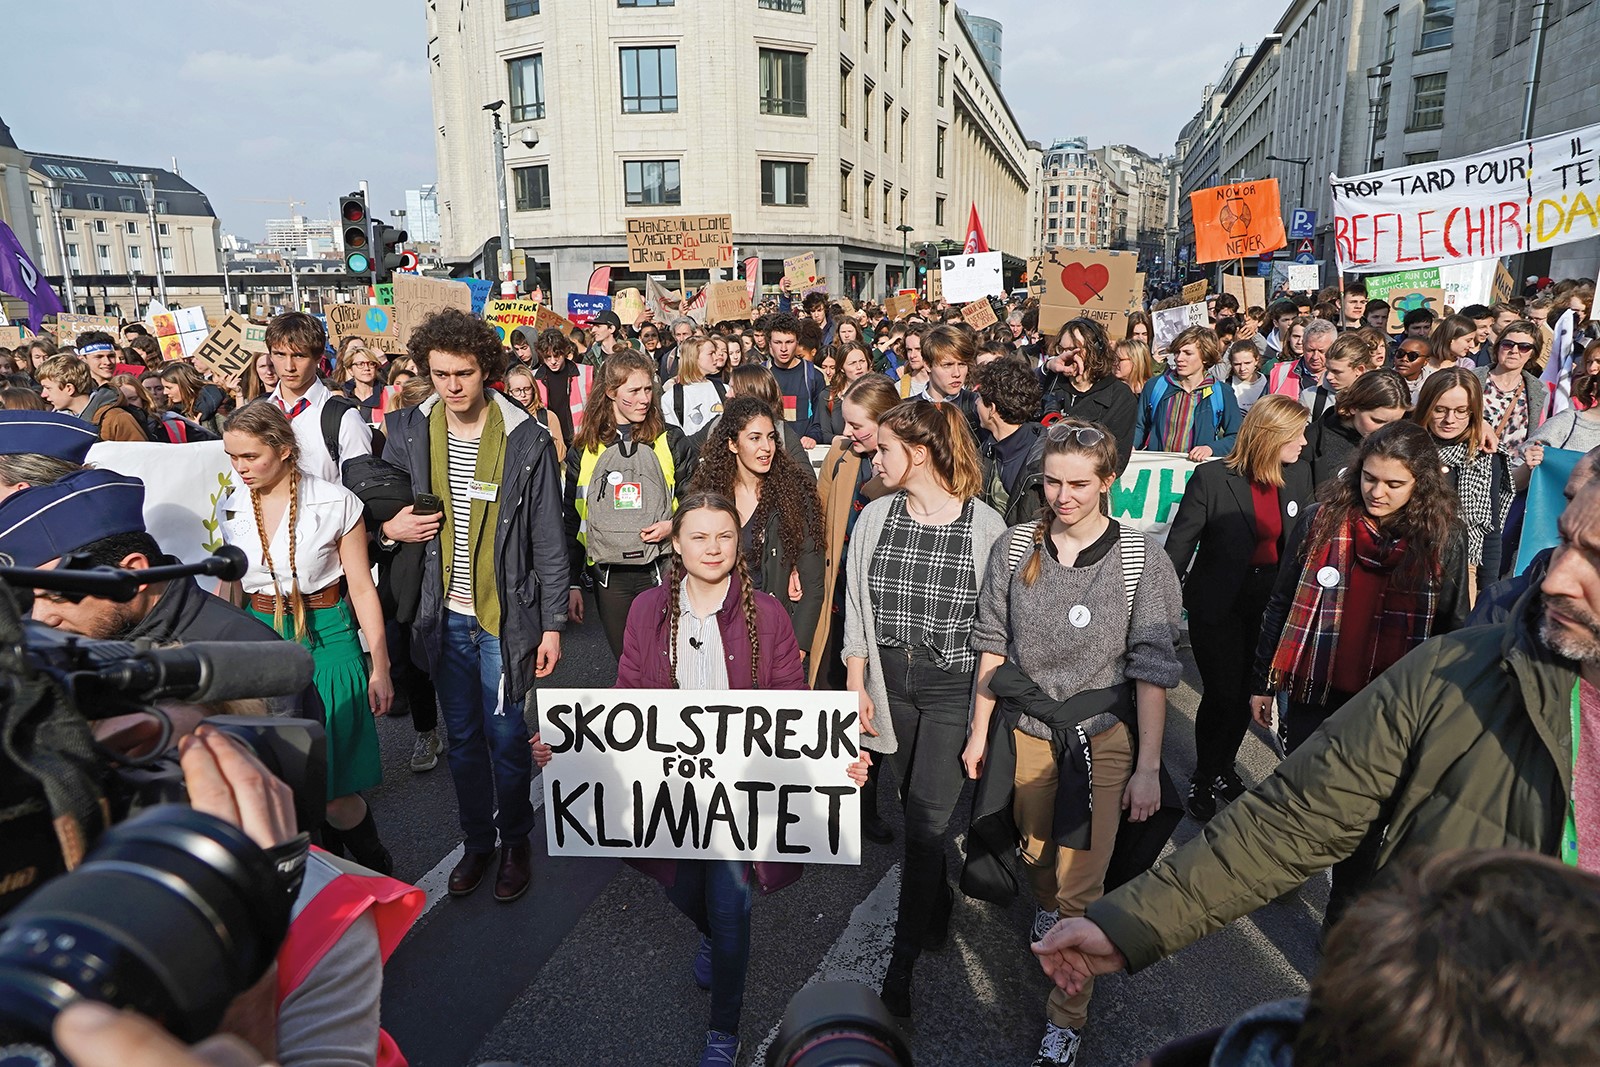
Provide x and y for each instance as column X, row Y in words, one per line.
column 91, row 1034
column 226, row 780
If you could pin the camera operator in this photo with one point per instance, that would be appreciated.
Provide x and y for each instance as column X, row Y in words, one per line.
column 41, row 447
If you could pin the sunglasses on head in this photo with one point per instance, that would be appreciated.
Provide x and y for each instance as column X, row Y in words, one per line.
column 1524, row 347
column 1087, row 436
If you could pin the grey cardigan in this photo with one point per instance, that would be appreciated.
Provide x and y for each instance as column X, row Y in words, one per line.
column 860, row 626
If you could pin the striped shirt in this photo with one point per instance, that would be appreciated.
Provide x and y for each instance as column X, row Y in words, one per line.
column 463, row 468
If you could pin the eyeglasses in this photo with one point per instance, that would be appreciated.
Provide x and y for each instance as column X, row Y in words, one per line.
column 1087, row 436
column 522, row 390
column 1524, row 347
column 364, row 363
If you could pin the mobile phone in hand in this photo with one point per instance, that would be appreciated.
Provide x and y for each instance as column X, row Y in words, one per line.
column 427, row 504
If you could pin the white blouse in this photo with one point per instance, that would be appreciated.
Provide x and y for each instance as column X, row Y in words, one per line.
column 326, row 513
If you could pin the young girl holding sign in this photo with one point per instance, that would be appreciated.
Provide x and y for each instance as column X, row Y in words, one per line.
column 707, row 628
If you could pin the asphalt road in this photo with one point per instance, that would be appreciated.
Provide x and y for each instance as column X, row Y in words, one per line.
column 592, row 965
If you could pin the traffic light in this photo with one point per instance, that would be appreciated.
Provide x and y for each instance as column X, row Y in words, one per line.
column 356, row 231
column 927, row 259
column 386, row 251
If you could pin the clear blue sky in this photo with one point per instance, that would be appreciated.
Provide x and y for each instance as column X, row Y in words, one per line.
column 301, row 99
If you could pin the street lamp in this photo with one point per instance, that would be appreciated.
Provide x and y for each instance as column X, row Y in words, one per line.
column 147, row 186
column 1302, row 164
column 61, row 244
column 1377, row 79
column 530, row 138
column 905, row 264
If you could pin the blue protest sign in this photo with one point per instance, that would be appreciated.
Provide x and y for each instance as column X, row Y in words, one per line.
column 583, row 307
column 482, row 290
column 1546, row 500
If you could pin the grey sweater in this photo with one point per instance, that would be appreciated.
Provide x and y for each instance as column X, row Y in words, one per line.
column 1033, row 627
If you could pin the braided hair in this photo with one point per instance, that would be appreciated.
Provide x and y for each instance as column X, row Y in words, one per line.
column 263, row 421
column 676, row 574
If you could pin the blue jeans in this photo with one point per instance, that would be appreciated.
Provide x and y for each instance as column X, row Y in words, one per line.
column 716, row 896
column 488, row 754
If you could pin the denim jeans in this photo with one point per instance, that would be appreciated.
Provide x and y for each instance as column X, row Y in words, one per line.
column 929, row 708
column 488, row 752
column 716, row 896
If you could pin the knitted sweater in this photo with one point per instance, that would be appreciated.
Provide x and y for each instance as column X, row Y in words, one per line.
column 1033, row 625
column 860, row 637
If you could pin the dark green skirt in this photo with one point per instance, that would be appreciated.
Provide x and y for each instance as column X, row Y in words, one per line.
column 340, row 675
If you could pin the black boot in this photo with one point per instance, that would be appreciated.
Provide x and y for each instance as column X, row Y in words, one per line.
column 331, row 839
column 896, row 992
column 365, row 848
column 873, row 828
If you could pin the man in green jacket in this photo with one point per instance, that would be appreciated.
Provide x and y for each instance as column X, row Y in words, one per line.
column 1467, row 742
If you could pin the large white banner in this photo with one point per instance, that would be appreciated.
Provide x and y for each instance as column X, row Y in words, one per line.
column 679, row 774
column 1524, row 196
column 1147, row 494
column 184, row 487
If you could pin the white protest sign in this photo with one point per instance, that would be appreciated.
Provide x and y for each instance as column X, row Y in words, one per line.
column 965, row 278
column 1166, row 325
column 184, row 487
column 679, row 774
column 1146, row 495
column 1517, row 198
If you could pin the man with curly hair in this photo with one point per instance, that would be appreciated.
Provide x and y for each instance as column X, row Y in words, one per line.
column 494, row 581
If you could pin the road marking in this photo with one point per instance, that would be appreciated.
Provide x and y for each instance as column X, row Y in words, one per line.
column 435, row 885
column 861, row 954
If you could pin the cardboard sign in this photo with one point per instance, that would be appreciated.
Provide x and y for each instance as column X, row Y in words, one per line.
column 979, row 314
column 255, row 337
column 936, row 286
column 1517, row 198
column 12, row 336
column 180, row 331
column 1036, row 277
column 965, row 278
column 679, row 774
column 1250, row 292
column 1084, row 284
column 1147, row 494
column 377, row 326
column 680, row 242
column 1195, row 292
column 1232, row 221
column 900, row 305
column 223, row 353
column 801, row 271
column 727, row 302
column 68, row 327
column 1301, row 276
column 1165, row 325
column 1138, row 293
column 507, row 315
column 583, row 307
column 629, row 305
column 1505, row 286
column 416, row 299
column 1404, row 301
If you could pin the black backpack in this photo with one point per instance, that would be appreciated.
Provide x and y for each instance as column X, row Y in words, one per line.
column 332, row 414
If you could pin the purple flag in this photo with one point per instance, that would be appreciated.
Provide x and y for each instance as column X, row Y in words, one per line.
column 21, row 279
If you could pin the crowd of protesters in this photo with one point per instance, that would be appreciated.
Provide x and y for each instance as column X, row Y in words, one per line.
column 916, row 511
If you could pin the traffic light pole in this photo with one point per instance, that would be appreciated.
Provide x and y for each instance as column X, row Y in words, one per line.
column 500, row 189
column 372, row 260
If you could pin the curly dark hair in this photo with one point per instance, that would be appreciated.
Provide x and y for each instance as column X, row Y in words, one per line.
column 457, row 333
column 1428, row 519
column 1011, row 388
column 785, row 486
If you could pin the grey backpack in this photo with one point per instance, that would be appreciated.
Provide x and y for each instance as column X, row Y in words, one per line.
column 627, row 492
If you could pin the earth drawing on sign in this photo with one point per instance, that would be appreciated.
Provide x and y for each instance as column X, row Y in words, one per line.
column 1412, row 301
column 1235, row 216
column 377, row 319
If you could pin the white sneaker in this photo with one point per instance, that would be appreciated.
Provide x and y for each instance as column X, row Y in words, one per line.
column 425, row 754
column 1059, row 1047
column 1042, row 922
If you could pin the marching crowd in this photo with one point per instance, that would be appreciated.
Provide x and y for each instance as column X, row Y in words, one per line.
column 1344, row 552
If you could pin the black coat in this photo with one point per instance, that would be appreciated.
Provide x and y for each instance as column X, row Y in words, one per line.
column 1331, row 442
column 1108, row 402
column 1218, row 516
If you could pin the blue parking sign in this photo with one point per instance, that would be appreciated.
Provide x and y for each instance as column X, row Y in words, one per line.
column 1302, row 222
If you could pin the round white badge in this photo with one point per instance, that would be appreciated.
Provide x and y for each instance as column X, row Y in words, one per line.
column 1328, row 577
column 1293, row 509
column 1078, row 616
column 615, row 478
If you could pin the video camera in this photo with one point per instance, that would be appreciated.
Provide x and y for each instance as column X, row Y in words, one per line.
column 176, row 912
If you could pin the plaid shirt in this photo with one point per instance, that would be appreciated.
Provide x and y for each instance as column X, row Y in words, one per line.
column 922, row 586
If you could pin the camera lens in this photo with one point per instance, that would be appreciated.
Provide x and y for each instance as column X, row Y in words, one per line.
column 837, row 1024
column 173, row 915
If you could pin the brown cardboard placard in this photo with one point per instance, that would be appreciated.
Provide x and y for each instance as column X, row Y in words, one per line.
column 1138, row 293
column 801, row 271
column 223, row 354
column 1195, row 292
column 935, row 286
column 255, row 337
column 680, row 242
column 979, row 314
column 11, row 337
column 1410, row 299
column 727, row 302
column 67, row 326
column 1036, row 276
column 416, row 298
column 628, row 305
column 1505, row 286
column 900, row 305
column 1250, row 292
column 847, row 305
column 376, row 325
column 1087, row 284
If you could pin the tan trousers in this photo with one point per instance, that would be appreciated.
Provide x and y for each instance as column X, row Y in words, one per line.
column 1064, row 879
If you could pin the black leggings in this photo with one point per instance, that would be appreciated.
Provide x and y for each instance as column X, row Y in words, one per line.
column 1224, row 651
column 615, row 587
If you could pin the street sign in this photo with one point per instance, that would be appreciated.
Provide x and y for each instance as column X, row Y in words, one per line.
column 1302, row 223
column 1305, row 251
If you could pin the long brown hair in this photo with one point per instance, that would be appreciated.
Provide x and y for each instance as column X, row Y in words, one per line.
column 1062, row 440
column 1428, row 519
column 1441, row 382
column 676, row 574
column 784, row 487
column 599, row 429
column 189, row 384
column 941, row 429
column 264, row 422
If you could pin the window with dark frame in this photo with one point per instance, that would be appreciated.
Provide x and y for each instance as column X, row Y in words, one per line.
column 1438, row 24
column 1427, row 102
column 651, row 181
column 783, row 183
column 645, row 3
column 783, row 82
column 521, row 9
column 649, row 80
column 526, row 77
column 532, row 187
column 792, row 7
column 938, row 157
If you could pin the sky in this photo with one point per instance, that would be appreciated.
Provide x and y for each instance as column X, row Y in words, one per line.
column 301, row 99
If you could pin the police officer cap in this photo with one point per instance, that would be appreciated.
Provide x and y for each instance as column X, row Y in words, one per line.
column 46, row 522
column 46, row 433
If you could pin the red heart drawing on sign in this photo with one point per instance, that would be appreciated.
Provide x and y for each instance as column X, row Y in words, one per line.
column 1083, row 282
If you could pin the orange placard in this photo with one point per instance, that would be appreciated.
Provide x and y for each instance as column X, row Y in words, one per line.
column 1234, row 221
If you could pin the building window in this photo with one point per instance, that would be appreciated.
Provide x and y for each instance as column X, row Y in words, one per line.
column 844, row 190
column 135, row 256
column 127, row 203
column 905, row 54
column 645, row 3
column 1427, row 102
column 166, row 257
column 103, row 254
column 1381, row 118
column 161, row 207
column 100, row 226
column 866, row 111
column 938, row 154
column 888, row 39
column 944, row 16
column 161, row 229
column 888, row 113
column 793, row 7
column 888, row 196
column 97, row 202
column 1413, row 158
column 132, row 227
column 905, row 125
column 866, row 196
column 527, row 87
column 1391, row 27
column 866, row 27
column 122, row 177
column 783, row 82
column 844, row 97
column 902, row 207
column 1438, row 23
column 943, row 63
column 532, row 187
column 938, row 211
column 521, row 9
column 70, row 225
column 72, row 258
column 783, row 184
column 649, row 80
column 652, row 181
column 66, row 200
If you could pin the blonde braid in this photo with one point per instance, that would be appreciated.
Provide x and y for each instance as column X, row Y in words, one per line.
column 674, row 607
column 748, row 600
column 1041, row 528
column 296, row 601
column 266, row 557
